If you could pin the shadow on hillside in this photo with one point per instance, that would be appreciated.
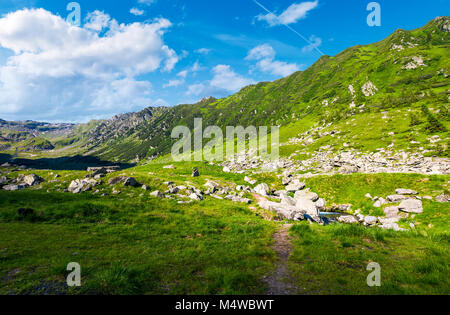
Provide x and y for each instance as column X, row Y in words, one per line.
column 75, row 163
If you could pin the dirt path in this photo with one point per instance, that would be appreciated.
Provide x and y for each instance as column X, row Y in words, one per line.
column 279, row 282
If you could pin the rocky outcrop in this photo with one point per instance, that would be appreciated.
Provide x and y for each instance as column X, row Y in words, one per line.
column 32, row 180
column 81, row 185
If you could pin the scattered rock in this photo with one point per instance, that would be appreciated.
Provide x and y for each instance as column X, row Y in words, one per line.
column 391, row 212
column 130, row 181
column 170, row 167
column 307, row 205
column 81, row 185
column 341, row 208
column 396, row 198
column 13, row 187
column 295, row 185
column 401, row 191
column 262, row 189
column 306, row 194
column 195, row 172
column 370, row 220
column 348, row 219
column 195, row 196
column 348, row 169
column 321, row 204
column 285, row 199
column 157, row 194
column 250, row 180
column 32, row 180
column 411, row 206
column 238, row 199
column 442, row 198
column 116, row 180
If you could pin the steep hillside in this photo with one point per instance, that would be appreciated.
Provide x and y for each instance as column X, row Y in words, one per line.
column 399, row 85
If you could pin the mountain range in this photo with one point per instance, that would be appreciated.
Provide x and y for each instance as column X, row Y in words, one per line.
column 395, row 91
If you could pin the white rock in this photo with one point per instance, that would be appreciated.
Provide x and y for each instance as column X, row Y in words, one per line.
column 411, row 206
column 262, row 189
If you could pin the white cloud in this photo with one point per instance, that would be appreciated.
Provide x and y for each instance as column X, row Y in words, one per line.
column 224, row 82
column 62, row 72
column 97, row 21
column 146, row 2
column 225, row 78
column 315, row 42
column 137, row 12
column 265, row 57
column 292, row 14
column 196, row 89
column 203, row 51
column 261, row 52
column 177, row 82
column 183, row 75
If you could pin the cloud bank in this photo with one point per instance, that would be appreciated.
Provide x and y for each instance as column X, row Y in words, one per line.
column 60, row 72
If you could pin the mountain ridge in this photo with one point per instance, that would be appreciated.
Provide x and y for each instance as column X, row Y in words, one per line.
column 406, row 71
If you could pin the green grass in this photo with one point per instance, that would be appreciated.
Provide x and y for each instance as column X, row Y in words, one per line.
column 333, row 260
column 133, row 246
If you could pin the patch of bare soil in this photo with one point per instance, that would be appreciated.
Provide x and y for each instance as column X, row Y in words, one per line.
column 279, row 282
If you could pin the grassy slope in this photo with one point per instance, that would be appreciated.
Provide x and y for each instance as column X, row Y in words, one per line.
column 297, row 102
column 131, row 244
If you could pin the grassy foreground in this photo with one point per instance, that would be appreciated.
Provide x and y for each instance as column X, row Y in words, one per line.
column 136, row 244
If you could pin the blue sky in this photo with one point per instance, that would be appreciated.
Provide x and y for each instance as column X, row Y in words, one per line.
column 198, row 48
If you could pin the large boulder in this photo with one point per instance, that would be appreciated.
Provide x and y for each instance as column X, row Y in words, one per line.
column 157, row 194
column 295, row 185
column 397, row 198
column 401, row 191
column 285, row 199
column 370, row 220
column 284, row 211
column 307, row 205
column 391, row 212
column 130, row 181
column 321, row 204
column 348, row 219
column 195, row 196
column 13, row 187
column 411, row 206
column 32, row 180
column 262, row 189
column 81, row 185
column 306, row 194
